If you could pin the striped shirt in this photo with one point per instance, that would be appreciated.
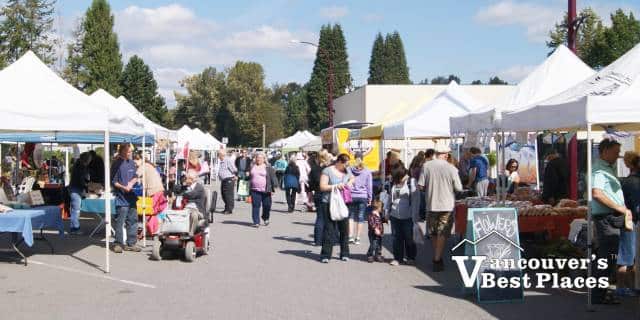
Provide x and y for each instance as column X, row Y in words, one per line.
column 226, row 169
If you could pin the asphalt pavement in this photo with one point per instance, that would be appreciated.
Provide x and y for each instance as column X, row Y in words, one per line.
column 268, row 273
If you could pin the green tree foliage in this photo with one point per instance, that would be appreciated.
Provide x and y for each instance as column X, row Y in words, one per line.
column 599, row 45
column 141, row 89
column 388, row 64
column 202, row 103
column 74, row 72
column 424, row 81
column 27, row 25
column 377, row 62
column 496, row 80
column 101, row 58
column 445, row 80
column 294, row 103
column 476, row 82
column 332, row 50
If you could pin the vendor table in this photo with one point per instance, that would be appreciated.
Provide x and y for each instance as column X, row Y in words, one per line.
column 557, row 226
column 22, row 223
column 96, row 207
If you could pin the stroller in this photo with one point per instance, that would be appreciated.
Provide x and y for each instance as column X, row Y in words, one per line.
column 174, row 235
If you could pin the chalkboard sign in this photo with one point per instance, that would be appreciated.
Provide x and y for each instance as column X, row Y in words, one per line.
column 494, row 233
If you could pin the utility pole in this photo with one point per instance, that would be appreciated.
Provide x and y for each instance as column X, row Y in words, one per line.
column 572, row 25
column 264, row 136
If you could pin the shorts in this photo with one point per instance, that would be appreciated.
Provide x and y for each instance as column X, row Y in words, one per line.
column 358, row 209
column 439, row 223
column 627, row 248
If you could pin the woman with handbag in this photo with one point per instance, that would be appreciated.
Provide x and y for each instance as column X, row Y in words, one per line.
column 263, row 183
column 334, row 178
column 291, row 183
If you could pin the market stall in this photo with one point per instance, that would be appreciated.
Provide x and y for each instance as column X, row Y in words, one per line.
column 37, row 103
column 608, row 100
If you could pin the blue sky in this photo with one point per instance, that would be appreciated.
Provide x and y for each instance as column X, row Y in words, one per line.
column 474, row 39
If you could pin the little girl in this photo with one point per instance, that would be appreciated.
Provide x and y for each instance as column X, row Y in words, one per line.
column 376, row 230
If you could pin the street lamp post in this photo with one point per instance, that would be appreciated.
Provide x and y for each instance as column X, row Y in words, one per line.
column 330, row 77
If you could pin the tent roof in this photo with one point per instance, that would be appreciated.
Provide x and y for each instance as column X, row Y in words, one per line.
column 451, row 102
column 34, row 98
column 560, row 71
column 611, row 96
column 157, row 130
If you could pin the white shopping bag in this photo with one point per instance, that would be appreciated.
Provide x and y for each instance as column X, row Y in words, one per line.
column 337, row 207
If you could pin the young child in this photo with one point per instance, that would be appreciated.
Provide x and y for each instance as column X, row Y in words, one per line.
column 376, row 230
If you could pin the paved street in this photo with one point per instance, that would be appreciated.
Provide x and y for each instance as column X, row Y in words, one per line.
column 269, row 273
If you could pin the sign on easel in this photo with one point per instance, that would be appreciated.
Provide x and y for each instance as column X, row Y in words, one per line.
column 493, row 233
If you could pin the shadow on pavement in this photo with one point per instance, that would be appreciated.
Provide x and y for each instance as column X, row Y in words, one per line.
column 239, row 223
column 308, row 254
column 294, row 239
column 304, row 223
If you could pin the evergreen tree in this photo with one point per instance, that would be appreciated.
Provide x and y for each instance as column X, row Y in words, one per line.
column 73, row 72
column 476, row 82
column 141, row 89
column 445, row 80
column 332, row 49
column 100, row 50
column 377, row 63
column 27, row 25
column 620, row 37
column 496, row 80
column 294, row 104
column 397, row 71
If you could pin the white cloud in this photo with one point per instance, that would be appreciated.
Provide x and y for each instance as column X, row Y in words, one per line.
column 334, row 12
column 173, row 39
column 516, row 73
column 169, row 23
column 535, row 18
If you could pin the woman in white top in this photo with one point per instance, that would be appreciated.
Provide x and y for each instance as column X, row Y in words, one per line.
column 401, row 215
column 513, row 179
column 305, row 169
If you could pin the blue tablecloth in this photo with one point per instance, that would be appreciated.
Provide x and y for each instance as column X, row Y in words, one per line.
column 24, row 221
column 96, row 206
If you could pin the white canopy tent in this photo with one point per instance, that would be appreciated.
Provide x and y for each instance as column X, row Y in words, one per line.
column 610, row 98
column 36, row 99
column 432, row 120
column 160, row 132
column 560, row 71
column 295, row 141
column 214, row 141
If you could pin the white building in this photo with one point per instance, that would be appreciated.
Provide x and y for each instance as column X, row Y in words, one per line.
column 372, row 103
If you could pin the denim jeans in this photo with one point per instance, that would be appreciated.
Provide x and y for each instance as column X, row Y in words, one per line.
column 358, row 210
column 126, row 216
column 375, row 245
column 333, row 230
column 291, row 194
column 260, row 199
column 76, row 201
column 403, row 244
column 318, row 228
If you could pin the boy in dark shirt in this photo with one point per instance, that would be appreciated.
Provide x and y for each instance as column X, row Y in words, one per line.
column 376, row 230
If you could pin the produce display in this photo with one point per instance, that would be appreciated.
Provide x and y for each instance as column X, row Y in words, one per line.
column 565, row 207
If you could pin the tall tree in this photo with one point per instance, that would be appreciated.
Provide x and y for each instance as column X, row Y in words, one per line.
column 396, row 71
column 497, row 80
column 377, row 62
column 247, row 101
column 200, row 106
column 100, row 50
column 590, row 42
column 620, row 37
column 332, row 50
column 293, row 99
column 73, row 72
column 141, row 89
column 476, row 82
column 27, row 25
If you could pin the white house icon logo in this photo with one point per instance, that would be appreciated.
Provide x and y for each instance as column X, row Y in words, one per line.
column 484, row 237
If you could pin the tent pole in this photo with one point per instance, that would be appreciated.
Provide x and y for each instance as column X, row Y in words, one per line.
column 66, row 166
column 589, row 213
column 107, row 199
column 501, row 167
column 535, row 146
column 166, row 166
column 144, row 190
